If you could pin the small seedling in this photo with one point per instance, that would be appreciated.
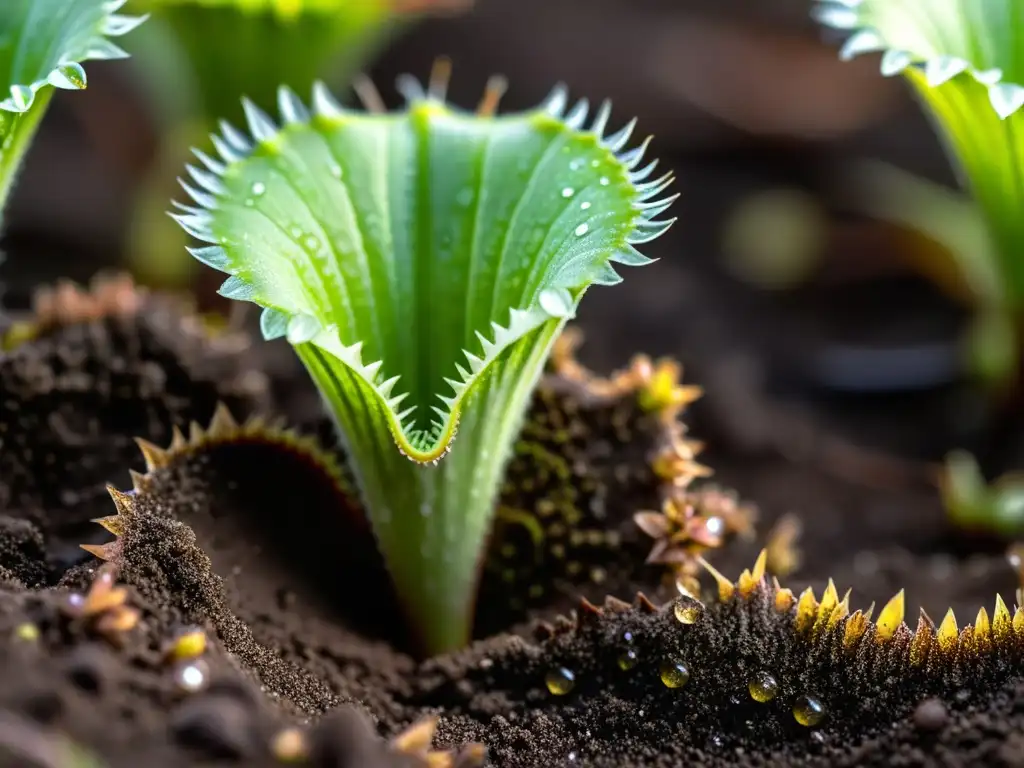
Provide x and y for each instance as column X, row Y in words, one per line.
column 422, row 263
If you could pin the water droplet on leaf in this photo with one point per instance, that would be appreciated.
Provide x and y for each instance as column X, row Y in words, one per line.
column 69, row 76
column 568, row 192
column 582, row 229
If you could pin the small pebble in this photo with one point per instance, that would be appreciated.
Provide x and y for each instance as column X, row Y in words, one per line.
column 931, row 716
column 217, row 726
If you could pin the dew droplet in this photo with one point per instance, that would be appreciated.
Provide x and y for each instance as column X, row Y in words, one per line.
column 594, row 163
column 674, row 674
column 258, row 188
column 335, row 170
column 560, row 681
column 808, row 711
column 295, row 232
column 762, row 687
column 603, row 181
column 582, row 229
column 584, row 205
column 464, row 197
column 70, row 75
column 568, row 192
column 686, row 612
column 575, row 164
column 312, row 243
column 628, row 659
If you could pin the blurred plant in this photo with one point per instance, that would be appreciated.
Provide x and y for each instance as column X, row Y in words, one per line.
column 202, row 54
column 974, row 505
column 427, row 258
column 42, row 46
column 965, row 62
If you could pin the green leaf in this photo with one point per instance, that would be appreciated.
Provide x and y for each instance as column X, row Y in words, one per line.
column 202, row 54
column 423, row 262
column 965, row 61
column 43, row 44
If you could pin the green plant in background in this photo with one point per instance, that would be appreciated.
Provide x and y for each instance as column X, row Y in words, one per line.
column 201, row 54
column 43, row 44
column 422, row 263
column 964, row 60
column 975, row 505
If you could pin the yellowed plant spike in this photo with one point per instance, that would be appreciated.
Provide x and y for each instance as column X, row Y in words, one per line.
column 829, row 601
column 178, row 441
column 1018, row 622
column 855, row 628
column 493, row 91
column 124, row 502
column 154, row 456
column 784, row 599
column 1002, row 624
column 948, row 632
column 983, row 629
column 806, row 611
column 112, row 523
column 840, row 612
column 725, row 587
column 890, row 618
column 137, row 479
column 195, row 433
column 417, row 738
column 102, row 551
column 921, row 643
column 223, row 423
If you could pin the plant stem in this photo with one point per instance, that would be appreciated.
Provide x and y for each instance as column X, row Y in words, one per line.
column 16, row 132
column 432, row 521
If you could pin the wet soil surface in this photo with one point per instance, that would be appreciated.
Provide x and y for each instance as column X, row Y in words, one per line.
column 249, row 536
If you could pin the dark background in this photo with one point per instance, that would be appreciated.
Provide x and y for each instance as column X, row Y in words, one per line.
column 744, row 98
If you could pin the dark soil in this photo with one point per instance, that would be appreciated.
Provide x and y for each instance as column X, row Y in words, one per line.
column 252, row 534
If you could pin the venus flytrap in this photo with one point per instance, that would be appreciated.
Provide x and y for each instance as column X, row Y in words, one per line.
column 43, row 44
column 422, row 263
column 965, row 62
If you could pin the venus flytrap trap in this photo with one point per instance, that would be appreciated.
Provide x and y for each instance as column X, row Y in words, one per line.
column 422, row 263
column 965, row 62
column 43, row 44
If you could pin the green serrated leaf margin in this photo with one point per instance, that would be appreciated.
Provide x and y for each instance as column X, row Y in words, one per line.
column 309, row 320
column 43, row 44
